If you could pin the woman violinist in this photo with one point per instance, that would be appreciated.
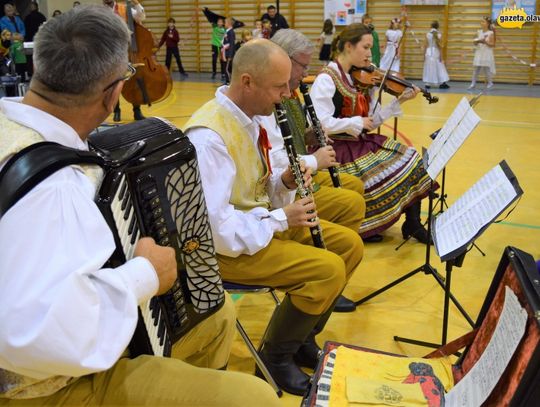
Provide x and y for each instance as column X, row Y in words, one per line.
column 394, row 177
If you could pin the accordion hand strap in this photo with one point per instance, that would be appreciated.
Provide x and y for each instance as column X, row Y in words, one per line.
column 33, row 164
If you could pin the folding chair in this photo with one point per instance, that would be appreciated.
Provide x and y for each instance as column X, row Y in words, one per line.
column 234, row 288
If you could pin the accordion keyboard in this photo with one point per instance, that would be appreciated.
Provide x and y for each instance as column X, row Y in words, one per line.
column 129, row 233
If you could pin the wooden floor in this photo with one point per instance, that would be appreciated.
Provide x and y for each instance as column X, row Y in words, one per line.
column 510, row 130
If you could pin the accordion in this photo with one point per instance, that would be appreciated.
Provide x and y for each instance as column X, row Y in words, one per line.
column 152, row 188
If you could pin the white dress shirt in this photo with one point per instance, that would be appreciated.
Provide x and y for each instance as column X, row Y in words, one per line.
column 61, row 313
column 322, row 91
column 236, row 232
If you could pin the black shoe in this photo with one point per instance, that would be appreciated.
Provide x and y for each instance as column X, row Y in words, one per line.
column 213, row 75
column 137, row 114
column 287, row 375
column 416, row 230
column 308, row 355
column 373, row 239
column 116, row 117
column 444, row 86
column 184, row 74
column 428, row 86
column 344, row 305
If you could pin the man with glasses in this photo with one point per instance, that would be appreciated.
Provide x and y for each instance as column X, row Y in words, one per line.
column 344, row 206
column 66, row 319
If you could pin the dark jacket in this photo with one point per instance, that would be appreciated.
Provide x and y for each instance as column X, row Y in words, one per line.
column 228, row 43
column 277, row 23
column 32, row 23
column 170, row 41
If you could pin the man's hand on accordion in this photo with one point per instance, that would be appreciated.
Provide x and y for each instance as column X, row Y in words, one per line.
column 162, row 258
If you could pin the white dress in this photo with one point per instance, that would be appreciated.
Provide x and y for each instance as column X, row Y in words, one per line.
column 483, row 55
column 392, row 41
column 434, row 70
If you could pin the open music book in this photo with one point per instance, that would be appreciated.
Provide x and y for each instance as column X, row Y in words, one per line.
column 453, row 134
column 471, row 214
column 476, row 386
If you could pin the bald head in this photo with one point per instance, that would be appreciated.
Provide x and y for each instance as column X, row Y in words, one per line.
column 256, row 58
column 260, row 77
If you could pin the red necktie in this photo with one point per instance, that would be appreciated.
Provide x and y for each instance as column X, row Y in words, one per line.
column 265, row 147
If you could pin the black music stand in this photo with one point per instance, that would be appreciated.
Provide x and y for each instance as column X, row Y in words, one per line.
column 427, row 268
column 455, row 257
column 441, row 200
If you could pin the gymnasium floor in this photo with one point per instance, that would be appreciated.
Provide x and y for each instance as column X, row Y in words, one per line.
column 510, row 130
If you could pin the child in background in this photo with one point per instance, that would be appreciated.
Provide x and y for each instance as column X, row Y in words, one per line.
column 434, row 69
column 393, row 36
column 227, row 49
column 258, row 30
column 16, row 52
column 375, row 49
column 171, row 38
column 266, row 28
column 483, row 55
column 245, row 36
column 325, row 41
column 218, row 32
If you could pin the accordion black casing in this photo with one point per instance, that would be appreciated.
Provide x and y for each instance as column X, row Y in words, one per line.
column 154, row 189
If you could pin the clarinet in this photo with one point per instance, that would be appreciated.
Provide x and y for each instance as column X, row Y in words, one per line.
column 319, row 133
column 316, row 231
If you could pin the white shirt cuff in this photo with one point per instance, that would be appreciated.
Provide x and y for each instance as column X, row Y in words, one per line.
column 311, row 161
column 279, row 220
column 141, row 277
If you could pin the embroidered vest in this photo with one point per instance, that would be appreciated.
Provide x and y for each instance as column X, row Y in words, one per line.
column 249, row 187
column 347, row 101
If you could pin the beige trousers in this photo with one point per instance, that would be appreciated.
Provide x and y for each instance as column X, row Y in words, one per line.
column 312, row 277
column 155, row 381
column 346, row 205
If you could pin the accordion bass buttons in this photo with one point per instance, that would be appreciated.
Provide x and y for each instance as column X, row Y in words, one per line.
column 153, row 215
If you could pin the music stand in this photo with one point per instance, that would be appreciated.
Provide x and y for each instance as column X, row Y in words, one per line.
column 458, row 127
column 441, row 197
column 454, row 233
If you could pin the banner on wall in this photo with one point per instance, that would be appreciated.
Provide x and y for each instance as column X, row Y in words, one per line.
column 529, row 6
column 344, row 12
column 424, row 2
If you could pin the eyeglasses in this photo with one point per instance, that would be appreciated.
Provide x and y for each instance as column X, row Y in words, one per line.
column 305, row 67
column 127, row 76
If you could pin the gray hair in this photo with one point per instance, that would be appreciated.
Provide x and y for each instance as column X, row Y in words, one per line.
column 79, row 50
column 293, row 42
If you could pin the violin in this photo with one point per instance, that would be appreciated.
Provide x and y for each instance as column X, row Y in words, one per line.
column 395, row 84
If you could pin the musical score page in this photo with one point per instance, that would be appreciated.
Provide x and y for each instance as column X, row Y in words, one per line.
column 453, row 134
column 474, row 210
column 475, row 387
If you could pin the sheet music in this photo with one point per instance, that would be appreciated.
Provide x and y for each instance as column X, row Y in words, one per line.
column 476, row 208
column 475, row 387
column 455, row 131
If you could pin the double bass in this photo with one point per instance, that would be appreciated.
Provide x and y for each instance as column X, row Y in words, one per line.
column 152, row 82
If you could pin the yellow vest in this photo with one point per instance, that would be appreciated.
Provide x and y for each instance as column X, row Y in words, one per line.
column 15, row 137
column 249, row 187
